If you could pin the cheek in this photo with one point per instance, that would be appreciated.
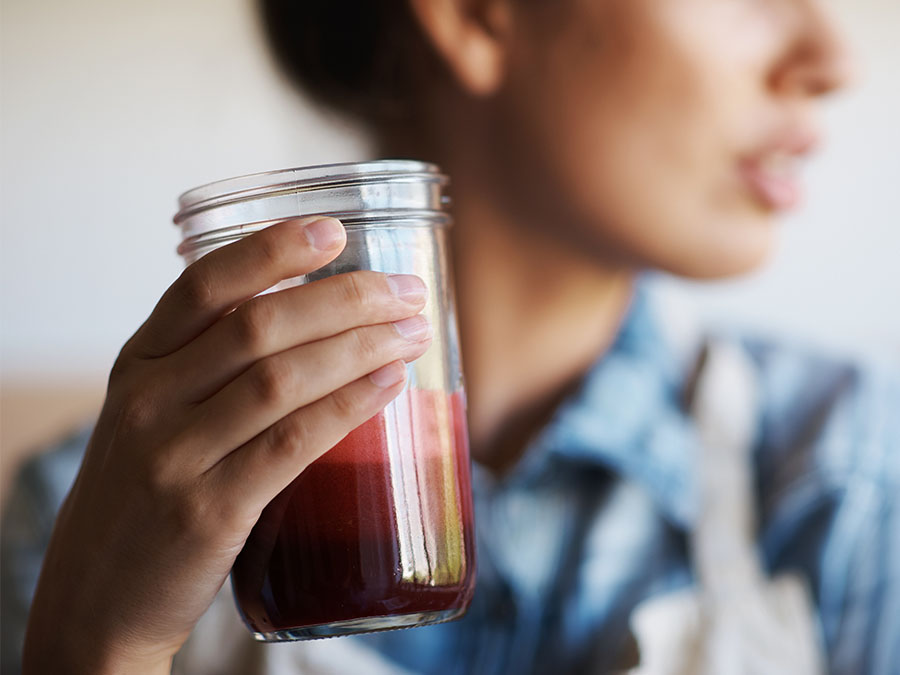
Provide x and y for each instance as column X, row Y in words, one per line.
column 647, row 116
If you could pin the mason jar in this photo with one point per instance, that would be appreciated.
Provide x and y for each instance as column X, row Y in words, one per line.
column 378, row 532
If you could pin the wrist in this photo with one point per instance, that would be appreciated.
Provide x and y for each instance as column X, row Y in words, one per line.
column 68, row 631
column 53, row 660
column 73, row 652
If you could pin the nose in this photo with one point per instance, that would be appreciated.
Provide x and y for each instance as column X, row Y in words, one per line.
column 817, row 60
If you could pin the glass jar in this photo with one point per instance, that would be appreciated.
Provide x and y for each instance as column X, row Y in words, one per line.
column 378, row 532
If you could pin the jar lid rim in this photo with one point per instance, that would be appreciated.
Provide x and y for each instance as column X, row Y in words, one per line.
column 301, row 176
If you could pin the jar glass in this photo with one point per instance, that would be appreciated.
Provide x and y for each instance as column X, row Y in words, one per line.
column 378, row 532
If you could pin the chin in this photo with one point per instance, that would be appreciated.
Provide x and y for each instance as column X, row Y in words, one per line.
column 737, row 248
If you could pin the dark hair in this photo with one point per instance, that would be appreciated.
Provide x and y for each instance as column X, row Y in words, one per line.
column 367, row 58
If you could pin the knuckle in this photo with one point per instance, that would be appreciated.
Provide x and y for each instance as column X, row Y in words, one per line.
column 253, row 323
column 271, row 381
column 194, row 288
column 191, row 513
column 136, row 411
column 232, row 515
column 288, row 437
column 271, row 248
column 355, row 290
column 345, row 404
column 366, row 344
column 157, row 472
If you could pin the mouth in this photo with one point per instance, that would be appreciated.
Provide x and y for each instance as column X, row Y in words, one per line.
column 773, row 174
column 774, row 180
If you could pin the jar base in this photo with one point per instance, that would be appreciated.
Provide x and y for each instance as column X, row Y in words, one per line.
column 368, row 624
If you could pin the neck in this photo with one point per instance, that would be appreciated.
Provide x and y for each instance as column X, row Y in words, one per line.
column 535, row 312
column 533, row 317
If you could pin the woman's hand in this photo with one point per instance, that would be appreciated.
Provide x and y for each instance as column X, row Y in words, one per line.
column 214, row 406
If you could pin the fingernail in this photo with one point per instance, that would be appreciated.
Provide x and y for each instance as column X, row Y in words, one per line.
column 407, row 287
column 389, row 375
column 414, row 329
column 325, row 233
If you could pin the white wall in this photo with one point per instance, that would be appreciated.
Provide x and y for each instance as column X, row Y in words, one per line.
column 110, row 109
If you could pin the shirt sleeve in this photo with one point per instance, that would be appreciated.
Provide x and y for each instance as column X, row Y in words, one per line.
column 829, row 484
column 37, row 494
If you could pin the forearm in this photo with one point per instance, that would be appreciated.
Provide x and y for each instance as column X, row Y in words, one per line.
column 67, row 649
column 50, row 658
column 64, row 634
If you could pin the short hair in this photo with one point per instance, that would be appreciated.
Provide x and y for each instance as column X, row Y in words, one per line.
column 365, row 58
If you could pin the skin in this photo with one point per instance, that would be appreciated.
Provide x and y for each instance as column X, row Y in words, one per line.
column 589, row 141
column 634, row 119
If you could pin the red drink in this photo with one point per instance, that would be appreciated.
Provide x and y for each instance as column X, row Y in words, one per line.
column 380, row 526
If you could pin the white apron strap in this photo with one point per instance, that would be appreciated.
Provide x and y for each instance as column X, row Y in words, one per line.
column 736, row 621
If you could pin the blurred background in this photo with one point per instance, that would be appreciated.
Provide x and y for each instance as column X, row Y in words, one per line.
column 109, row 110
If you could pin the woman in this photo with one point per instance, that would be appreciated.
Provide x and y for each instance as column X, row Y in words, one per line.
column 588, row 141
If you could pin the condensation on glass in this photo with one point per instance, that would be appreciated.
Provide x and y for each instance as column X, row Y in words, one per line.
column 377, row 533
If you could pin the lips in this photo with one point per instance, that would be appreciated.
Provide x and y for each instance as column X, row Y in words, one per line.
column 772, row 172
column 774, row 180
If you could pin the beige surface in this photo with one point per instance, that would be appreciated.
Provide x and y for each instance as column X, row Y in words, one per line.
column 32, row 415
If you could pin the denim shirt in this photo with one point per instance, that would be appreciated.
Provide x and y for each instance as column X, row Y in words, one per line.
column 595, row 516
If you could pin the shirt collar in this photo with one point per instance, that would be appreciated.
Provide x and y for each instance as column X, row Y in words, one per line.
column 627, row 417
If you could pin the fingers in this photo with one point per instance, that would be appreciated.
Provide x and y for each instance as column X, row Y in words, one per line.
column 278, row 385
column 272, row 323
column 275, row 457
column 226, row 277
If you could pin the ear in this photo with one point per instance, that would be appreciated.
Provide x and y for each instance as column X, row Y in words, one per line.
column 471, row 37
